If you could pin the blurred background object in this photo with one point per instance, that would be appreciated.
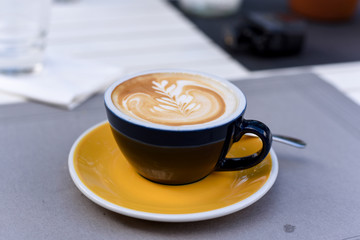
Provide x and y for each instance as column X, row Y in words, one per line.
column 326, row 10
column 210, row 8
column 23, row 31
column 326, row 42
column 267, row 34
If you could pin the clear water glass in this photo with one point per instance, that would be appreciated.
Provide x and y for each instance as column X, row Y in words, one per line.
column 23, row 31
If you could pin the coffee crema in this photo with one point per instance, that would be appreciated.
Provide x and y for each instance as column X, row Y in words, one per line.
column 174, row 99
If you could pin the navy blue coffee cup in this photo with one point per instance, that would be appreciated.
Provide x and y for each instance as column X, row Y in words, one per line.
column 186, row 154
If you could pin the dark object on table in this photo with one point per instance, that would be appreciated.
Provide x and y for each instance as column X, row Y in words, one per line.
column 267, row 34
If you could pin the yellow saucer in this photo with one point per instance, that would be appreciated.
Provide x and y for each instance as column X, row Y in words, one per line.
column 102, row 173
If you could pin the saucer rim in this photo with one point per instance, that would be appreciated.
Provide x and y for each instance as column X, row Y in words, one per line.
column 162, row 217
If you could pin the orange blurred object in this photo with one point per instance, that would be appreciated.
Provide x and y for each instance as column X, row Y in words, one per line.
column 326, row 10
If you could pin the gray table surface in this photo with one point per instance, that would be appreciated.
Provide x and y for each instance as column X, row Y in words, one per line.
column 316, row 195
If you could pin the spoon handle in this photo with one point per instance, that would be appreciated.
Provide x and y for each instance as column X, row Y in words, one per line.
column 294, row 142
column 289, row 141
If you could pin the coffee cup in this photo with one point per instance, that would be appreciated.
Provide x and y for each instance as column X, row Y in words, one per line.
column 176, row 126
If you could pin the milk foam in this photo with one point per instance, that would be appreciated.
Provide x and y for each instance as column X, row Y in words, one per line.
column 175, row 99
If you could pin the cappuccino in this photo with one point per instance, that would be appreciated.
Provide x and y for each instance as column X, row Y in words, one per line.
column 175, row 99
column 177, row 126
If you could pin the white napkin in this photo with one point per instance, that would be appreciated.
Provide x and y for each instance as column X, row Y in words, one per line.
column 62, row 82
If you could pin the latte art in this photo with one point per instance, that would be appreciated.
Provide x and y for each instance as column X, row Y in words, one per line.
column 173, row 99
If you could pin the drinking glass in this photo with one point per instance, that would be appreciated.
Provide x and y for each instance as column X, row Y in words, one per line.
column 23, row 31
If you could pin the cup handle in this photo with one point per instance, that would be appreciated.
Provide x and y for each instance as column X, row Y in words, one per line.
column 241, row 127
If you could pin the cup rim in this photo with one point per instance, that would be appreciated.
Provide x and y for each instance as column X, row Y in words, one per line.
column 238, row 112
